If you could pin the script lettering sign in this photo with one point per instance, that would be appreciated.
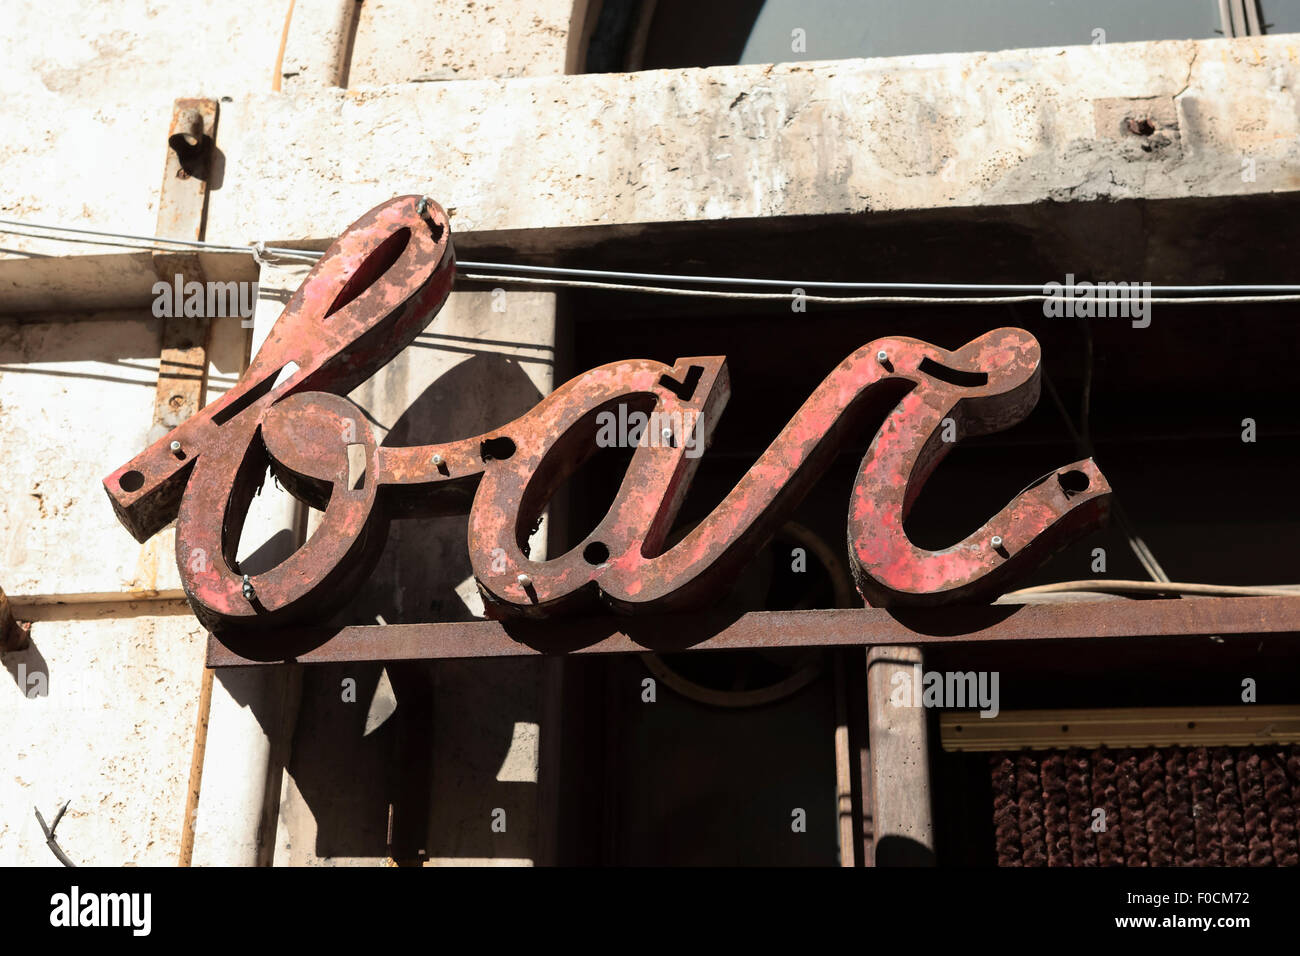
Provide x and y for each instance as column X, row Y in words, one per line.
column 386, row 278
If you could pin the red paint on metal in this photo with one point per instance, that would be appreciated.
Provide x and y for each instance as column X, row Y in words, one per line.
column 888, row 568
column 386, row 278
column 363, row 302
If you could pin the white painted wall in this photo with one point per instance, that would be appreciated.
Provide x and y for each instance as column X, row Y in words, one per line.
column 101, row 709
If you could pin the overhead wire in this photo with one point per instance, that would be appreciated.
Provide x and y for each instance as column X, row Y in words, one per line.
column 634, row 282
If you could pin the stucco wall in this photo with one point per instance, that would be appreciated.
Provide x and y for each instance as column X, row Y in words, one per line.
column 89, row 90
column 101, row 708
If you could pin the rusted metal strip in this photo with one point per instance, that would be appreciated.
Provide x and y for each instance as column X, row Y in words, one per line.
column 13, row 634
column 183, row 361
column 769, row 629
column 197, row 754
column 182, row 206
column 191, row 141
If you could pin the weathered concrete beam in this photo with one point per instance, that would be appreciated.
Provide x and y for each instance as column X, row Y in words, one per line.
column 398, row 42
column 1156, row 120
column 903, row 825
column 88, row 87
column 1038, row 140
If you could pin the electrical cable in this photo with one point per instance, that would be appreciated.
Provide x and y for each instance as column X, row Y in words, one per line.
column 858, row 300
column 1118, row 586
column 569, row 277
column 810, row 284
column 157, row 243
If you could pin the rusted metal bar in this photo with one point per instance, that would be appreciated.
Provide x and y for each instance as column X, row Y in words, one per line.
column 183, row 360
column 189, row 169
column 182, row 206
column 1186, row 617
column 13, row 634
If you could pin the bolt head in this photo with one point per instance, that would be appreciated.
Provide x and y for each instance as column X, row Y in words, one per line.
column 524, row 580
column 882, row 356
column 175, row 447
column 996, row 541
column 437, row 461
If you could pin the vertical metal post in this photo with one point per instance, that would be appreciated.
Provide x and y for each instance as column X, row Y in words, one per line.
column 183, row 359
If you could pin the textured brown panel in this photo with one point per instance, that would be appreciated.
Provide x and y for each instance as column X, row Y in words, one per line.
column 1083, row 842
column 1030, row 799
column 1281, row 805
column 1178, row 793
column 1132, row 812
column 1169, row 806
column 1157, row 820
column 1227, row 800
column 1209, row 849
column 1056, row 810
column 1006, row 826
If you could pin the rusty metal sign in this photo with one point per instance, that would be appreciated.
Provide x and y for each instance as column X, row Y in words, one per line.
column 386, row 278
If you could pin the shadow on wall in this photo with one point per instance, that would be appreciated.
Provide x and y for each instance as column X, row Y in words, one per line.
column 372, row 783
column 426, row 558
column 29, row 670
column 903, row 851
